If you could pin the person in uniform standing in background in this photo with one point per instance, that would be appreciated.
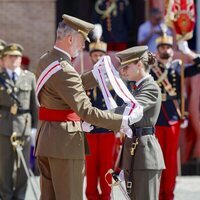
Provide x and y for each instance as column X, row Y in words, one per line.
column 116, row 18
column 18, row 115
column 63, row 104
column 141, row 159
column 167, row 73
column 2, row 45
column 102, row 142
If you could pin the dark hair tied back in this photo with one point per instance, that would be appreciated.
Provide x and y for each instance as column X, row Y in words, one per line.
column 151, row 58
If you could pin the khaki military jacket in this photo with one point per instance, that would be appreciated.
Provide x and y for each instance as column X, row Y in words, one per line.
column 24, row 89
column 66, row 90
column 148, row 154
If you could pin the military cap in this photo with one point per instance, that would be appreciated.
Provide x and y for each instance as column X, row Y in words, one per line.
column 13, row 49
column 79, row 25
column 98, row 46
column 165, row 39
column 132, row 54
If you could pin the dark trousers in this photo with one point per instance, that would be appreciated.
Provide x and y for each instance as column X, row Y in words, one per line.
column 13, row 182
column 61, row 178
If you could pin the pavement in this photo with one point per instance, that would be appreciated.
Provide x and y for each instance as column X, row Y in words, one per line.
column 187, row 188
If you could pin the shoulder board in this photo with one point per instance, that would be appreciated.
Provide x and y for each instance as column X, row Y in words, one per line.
column 65, row 65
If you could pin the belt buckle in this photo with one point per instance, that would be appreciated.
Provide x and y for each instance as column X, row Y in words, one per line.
column 129, row 186
column 13, row 109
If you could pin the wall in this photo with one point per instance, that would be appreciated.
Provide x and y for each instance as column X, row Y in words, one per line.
column 30, row 23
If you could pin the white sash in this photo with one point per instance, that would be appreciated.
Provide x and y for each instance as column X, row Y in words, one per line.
column 45, row 75
column 106, row 73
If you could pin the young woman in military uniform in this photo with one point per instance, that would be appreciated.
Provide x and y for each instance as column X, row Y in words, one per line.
column 142, row 159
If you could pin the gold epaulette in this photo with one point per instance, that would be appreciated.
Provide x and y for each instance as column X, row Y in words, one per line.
column 65, row 65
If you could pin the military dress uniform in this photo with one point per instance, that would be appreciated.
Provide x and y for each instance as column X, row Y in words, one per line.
column 18, row 114
column 142, row 159
column 63, row 101
column 115, row 18
column 168, row 78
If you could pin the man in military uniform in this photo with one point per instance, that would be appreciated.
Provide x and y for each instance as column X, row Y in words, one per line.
column 2, row 45
column 63, row 101
column 167, row 73
column 18, row 114
column 102, row 142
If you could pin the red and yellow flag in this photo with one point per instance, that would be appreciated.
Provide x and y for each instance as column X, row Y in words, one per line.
column 180, row 14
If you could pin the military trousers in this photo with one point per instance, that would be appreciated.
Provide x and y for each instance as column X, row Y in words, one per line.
column 61, row 178
column 145, row 184
column 13, row 181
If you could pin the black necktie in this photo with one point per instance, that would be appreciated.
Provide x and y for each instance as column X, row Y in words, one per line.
column 14, row 77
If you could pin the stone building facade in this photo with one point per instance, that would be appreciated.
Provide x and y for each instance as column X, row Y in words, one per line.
column 31, row 23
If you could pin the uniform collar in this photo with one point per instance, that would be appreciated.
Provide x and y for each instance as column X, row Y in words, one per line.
column 17, row 71
column 142, row 79
column 64, row 52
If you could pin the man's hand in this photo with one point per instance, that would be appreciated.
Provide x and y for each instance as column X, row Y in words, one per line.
column 87, row 127
column 136, row 115
column 127, row 131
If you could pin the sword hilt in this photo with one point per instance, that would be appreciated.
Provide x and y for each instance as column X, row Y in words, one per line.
column 114, row 176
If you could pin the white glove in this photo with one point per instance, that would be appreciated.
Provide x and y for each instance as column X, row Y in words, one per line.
column 183, row 46
column 87, row 127
column 33, row 136
column 127, row 131
column 136, row 115
column 184, row 123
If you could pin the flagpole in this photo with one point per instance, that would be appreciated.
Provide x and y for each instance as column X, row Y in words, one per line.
column 182, row 88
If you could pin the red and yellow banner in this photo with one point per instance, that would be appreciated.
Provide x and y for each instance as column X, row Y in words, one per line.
column 180, row 14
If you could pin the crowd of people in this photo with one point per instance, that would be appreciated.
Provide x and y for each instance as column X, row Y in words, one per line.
column 76, row 133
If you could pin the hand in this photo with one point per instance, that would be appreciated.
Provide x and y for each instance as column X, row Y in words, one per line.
column 136, row 115
column 87, row 127
column 33, row 136
column 184, row 123
column 127, row 131
column 183, row 46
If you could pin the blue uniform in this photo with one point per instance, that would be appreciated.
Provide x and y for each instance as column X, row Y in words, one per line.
column 115, row 27
column 168, row 113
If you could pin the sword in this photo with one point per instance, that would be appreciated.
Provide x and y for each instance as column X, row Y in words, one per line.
column 17, row 144
column 117, row 183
